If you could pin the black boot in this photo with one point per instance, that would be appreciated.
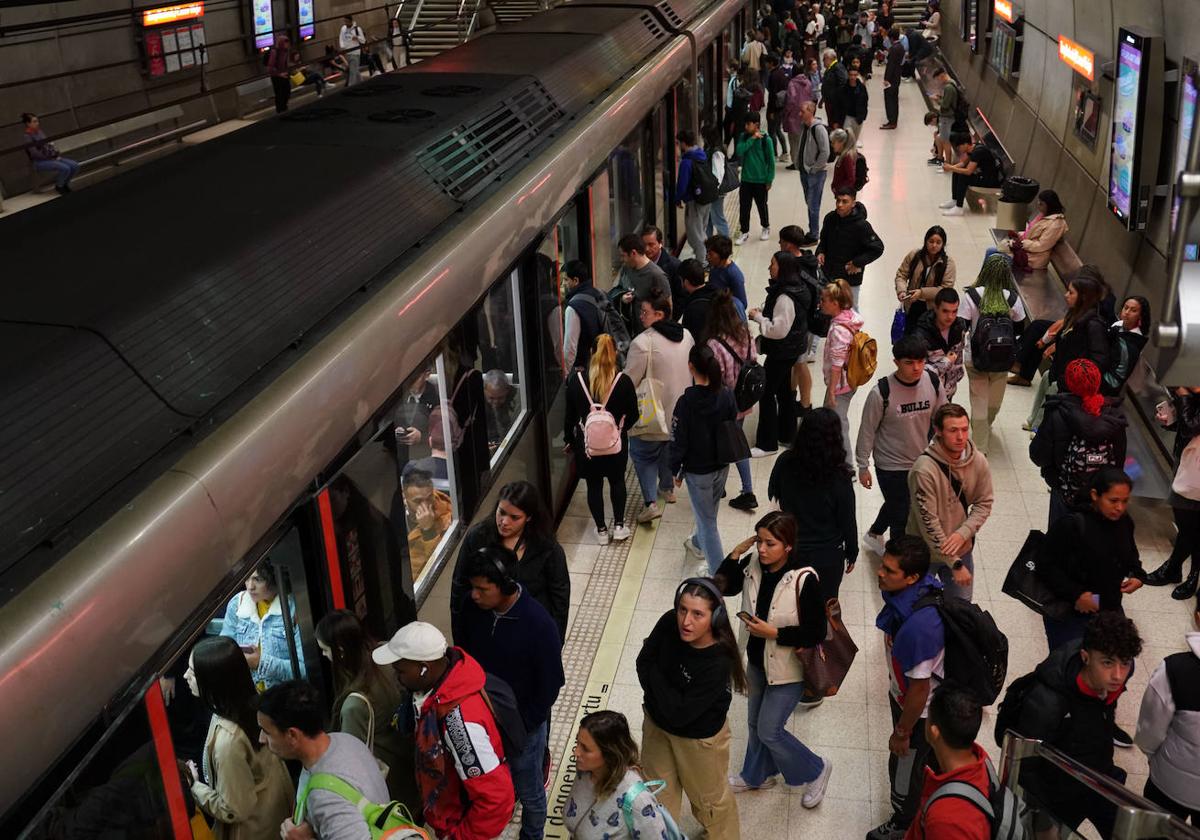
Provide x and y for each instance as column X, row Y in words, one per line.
column 1169, row 572
column 1187, row 589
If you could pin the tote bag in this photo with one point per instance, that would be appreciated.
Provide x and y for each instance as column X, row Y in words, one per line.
column 1022, row 581
column 827, row 663
column 652, row 420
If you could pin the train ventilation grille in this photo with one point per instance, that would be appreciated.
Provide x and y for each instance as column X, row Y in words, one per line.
column 402, row 115
column 669, row 11
column 463, row 161
column 314, row 115
column 652, row 24
column 376, row 89
column 452, row 91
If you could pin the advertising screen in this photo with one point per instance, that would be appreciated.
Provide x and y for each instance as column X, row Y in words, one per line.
column 264, row 23
column 1004, row 43
column 307, row 29
column 1122, row 174
column 1187, row 124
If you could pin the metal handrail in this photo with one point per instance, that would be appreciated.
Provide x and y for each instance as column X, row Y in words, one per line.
column 1137, row 818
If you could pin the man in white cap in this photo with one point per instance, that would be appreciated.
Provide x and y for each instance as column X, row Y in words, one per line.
column 466, row 785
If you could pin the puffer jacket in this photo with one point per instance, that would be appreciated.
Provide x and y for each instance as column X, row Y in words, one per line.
column 837, row 347
column 945, row 354
column 243, row 625
column 663, row 349
column 1066, row 420
column 1040, row 236
column 799, row 91
column 1168, row 729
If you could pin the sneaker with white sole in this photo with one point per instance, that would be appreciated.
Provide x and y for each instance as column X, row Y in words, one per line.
column 692, row 548
column 739, row 785
column 765, row 235
column 755, row 452
column 954, row 211
column 602, row 536
column 669, row 496
column 742, row 240
column 815, row 791
column 620, row 532
column 946, row 205
column 649, row 513
column 890, row 830
column 873, row 543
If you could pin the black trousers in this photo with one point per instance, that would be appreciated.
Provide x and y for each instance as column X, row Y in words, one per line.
column 891, row 103
column 830, row 566
column 907, row 772
column 756, row 193
column 595, row 471
column 960, row 183
column 1159, row 798
column 777, row 409
column 1187, row 541
column 283, row 91
column 775, row 131
column 1029, row 355
column 893, row 516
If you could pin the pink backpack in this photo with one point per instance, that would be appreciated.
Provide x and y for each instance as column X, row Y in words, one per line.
column 601, row 431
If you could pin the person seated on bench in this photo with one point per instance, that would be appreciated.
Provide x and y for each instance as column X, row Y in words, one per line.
column 1031, row 247
column 45, row 157
column 976, row 167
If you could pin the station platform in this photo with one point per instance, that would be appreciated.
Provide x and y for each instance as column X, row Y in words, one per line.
column 620, row 590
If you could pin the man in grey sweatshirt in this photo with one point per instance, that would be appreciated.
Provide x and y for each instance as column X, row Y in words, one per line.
column 895, row 428
column 638, row 274
column 292, row 715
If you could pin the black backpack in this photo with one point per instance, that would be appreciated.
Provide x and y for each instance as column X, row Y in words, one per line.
column 811, row 276
column 861, row 172
column 993, row 339
column 976, row 650
column 751, row 379
column 1001, row 806
column 1008, row 714
column 499, row 697
column 611, row 322
column 705, row 187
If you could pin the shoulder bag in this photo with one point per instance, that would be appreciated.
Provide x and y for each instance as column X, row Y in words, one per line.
column 827, row 663
column 652, row 419
column 1023, row 583
column 383, row 767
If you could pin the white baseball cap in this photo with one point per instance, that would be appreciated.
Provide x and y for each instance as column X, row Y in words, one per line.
column 417, row 641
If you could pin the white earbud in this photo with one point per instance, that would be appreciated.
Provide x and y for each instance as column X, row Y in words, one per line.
column 424, row 669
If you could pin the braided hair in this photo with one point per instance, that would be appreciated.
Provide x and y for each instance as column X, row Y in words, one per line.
column 995, row 278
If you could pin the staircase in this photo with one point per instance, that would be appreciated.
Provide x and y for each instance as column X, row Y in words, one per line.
column 515, row 11
column 439, row 25
column 908, row 12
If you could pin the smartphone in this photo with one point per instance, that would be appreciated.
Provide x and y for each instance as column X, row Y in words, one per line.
column 745, row 616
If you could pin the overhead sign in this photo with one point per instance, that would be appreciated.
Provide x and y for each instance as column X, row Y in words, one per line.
column 1078, row 58
column 173, row 14
column 1004, row 8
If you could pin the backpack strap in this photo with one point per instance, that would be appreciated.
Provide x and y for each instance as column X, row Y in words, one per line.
column 729, row 350
column 955, row 484
column 370, row 717
column 583, row 384
column 973, row 294
column 635, row 790
column 933, row 377
column 885, row 391
column 962, row 790
column 333, row 784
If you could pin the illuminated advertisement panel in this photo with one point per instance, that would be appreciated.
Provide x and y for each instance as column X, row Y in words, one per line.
column 264, row 24
column 1131, row 82
column 1187, row 124
column 1004, row 43
column 305, row 18
column 172, row 14
column 1077, row 57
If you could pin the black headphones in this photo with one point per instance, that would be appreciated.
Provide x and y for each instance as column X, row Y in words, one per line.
column 708, row 585
column 507, row 581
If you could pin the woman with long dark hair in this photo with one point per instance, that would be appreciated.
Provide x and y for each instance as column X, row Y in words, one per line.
column 606, row 764
column 921, row 273
column 729, row 338
column 1128, row 336
column 786, row 612
column 1043, row 232
column 365, row 697
column 245, row 789
column 812, row 483
column 693, row 456
column 522, row 524
column 783, row 322
column 689, row 668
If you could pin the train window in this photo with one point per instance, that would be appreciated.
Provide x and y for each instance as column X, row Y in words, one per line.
column 503, row 364
column 626, row 191
column 662, row 149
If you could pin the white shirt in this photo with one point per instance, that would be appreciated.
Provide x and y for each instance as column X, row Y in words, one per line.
column 351, row 36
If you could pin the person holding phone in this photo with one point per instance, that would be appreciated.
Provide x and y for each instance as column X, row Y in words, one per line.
column 689, row 668
column 783, row 610
column 254, row 620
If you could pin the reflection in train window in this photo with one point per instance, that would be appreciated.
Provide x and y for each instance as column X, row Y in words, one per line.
column 502, row 362
column 262, row 618
column 626, row 192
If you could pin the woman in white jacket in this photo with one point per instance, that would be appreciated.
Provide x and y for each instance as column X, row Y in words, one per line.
column 242, row 786
column 658, row 359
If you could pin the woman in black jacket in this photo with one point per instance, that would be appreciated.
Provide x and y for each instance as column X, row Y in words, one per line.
column 1181, row 415
column 688, row 668
column 812, row 482
column 1127, row 337
column 693, row 455
column 604, row 385
column 524, row 525
column 1090, row 559
column 1084, row 334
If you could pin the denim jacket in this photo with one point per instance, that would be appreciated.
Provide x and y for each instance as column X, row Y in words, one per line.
column 243, row 625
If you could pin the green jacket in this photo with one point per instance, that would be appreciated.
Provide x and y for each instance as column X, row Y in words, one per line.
column 757, row 157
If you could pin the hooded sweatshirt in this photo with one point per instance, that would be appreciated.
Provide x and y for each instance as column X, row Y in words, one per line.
column 662, row 351
column 685, row 186
column 1067, row 431
column 697, row 415
column 846, row 239
column 686, row 690
column 1168, row 729
column 837, row 347
column 936, row 511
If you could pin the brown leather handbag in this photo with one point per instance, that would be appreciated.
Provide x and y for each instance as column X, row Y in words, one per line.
column 826, row 664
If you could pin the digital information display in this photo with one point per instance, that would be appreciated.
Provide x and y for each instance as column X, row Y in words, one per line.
column 1004, row 44
column 264, row 24
column 305, row 18
column 1125, row 127
column 1187, row 124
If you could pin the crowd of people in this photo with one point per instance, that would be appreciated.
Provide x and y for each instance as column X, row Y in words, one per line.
column 457, row 731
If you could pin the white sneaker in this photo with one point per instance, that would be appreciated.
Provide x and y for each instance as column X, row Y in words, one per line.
column 816, row 788
column 765, row 235
column 742, row 240
column 602, row 536
column 946, row 205
column 620, row 533
column 692, row 548
column 954, row 211
column 873, row 543
column 738, row 785
column 755, row 452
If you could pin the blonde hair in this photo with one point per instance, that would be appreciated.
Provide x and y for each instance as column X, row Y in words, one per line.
column 839, row 292
column 602, row 369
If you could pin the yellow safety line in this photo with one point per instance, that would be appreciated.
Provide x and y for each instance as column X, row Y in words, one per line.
column 604, row 668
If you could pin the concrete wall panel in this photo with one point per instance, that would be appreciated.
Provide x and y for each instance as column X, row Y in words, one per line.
column 1033, row 66
column 1020, row 133
column 1093, row 27
column 1149, row 278
column 1037, row 13
column 1056, row 107
column 1039, row 165
column 1106, row 243
column 1183, row 20
column 1061, row 16
column 1076, row 188
column 1147, row 14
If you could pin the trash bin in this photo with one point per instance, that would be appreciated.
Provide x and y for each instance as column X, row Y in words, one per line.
column 1012, row 211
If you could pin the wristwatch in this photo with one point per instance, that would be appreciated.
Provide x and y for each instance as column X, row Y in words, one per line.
column 957, row 564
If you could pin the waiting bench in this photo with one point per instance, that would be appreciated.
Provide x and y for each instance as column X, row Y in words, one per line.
column 1042, row 289
column 108, row 144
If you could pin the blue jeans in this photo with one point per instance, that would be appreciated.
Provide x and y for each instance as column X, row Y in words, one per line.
column 946, row 576
column 704, row 492
column 528, row 775
column 814, row 188
column 743, row 468
column 771, row 749
column 893, row 516
column 650, row 464
column 716, row 218
column 64, row 169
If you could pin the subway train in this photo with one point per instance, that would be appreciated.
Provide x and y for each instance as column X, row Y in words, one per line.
column 306, row 351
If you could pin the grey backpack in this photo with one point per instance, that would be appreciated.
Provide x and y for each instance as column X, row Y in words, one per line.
column 1002, row 808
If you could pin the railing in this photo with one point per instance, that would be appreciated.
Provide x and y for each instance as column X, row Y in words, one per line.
column 1133, row 817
